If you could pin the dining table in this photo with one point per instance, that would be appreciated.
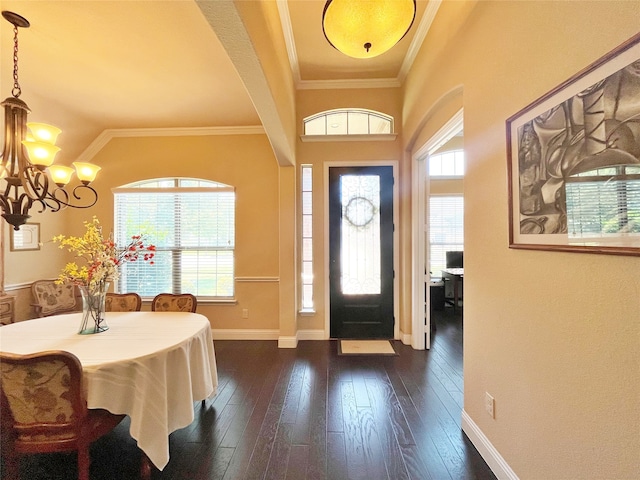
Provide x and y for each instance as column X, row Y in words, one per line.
column 151, row 366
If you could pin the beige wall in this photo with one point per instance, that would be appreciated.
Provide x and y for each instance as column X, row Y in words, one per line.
column 243, row 161
column 552, row 336
column 23, row 267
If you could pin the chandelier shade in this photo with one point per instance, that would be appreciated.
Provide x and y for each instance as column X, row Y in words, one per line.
column 43, row 132
column 366, row 28
column 27, row 173
column 61, row 174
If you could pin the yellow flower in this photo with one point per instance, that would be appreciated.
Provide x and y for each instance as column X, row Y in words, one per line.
column 101, row 255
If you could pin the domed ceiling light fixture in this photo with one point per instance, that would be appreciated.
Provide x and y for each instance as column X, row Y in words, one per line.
column 366, row 28
column 27, row 173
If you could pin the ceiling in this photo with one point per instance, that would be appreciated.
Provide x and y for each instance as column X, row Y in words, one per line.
column 88, row 66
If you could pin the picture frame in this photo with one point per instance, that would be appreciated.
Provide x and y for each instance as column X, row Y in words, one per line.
column 25, row 239
column 573, row 161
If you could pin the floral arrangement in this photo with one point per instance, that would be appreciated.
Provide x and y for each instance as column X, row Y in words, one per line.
column 101, row 255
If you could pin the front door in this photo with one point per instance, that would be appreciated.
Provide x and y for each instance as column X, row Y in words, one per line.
column 361, row 252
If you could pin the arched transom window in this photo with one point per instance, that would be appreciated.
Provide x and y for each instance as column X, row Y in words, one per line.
column 351, row 121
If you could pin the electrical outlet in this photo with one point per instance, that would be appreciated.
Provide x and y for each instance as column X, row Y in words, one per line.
column 245, row 313
column 489, row 404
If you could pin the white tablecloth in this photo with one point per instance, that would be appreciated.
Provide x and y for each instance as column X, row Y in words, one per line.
column 151, row 366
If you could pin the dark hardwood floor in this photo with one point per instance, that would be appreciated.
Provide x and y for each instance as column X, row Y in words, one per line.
column 308, row 413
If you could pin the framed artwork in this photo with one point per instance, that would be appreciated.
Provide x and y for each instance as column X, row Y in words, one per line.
column 27, row 238
column 573, row 160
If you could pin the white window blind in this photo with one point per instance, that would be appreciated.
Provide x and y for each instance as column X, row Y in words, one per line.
column 603, row 203
column 446, row 229
column 192, row 225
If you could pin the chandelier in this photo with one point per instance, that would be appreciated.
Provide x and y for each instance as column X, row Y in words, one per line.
column 366, row 28
column 26, row 166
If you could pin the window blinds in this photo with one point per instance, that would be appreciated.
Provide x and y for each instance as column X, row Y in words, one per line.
column 193, row 230
column 446, row 229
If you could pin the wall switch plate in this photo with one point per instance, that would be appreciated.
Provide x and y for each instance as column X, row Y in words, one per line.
column 490, row 405
column 245, row 313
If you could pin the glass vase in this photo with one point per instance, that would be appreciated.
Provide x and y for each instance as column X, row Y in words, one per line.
column 93, row 316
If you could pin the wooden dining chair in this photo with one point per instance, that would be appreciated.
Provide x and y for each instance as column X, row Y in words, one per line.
column 50, row 298
column 44, row 409
column 174, row 302
column 123, row 302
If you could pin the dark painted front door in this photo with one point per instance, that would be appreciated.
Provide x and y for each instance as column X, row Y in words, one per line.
column 361, row 252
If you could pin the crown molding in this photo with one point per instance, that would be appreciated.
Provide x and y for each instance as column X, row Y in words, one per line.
column 287, row 30
column 107, row 135
column 345, row 84
column 369, row 137
column 418, row 38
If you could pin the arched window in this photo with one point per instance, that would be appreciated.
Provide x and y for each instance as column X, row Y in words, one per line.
column 351, row 121
column 192, row 224
column 447, row 164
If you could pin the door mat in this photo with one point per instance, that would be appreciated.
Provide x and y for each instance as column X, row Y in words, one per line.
column 365, row 347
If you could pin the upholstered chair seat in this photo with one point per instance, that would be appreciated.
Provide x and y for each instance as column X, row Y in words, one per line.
column 50, row 298
column 44, row 409
column 169, row 302
column 123, row 302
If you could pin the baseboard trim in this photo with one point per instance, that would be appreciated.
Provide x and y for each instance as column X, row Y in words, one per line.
column 287, row 341
column 254, row 334
column 405, row 338
column 244, row 334
column 311, row 335
column 497, row 464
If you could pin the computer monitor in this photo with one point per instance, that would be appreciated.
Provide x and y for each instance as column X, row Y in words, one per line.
column 454, row 259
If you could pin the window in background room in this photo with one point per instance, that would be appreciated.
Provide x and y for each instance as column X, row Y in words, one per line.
column 446, row 229
column 192, row 224
column 447, row 164
column 352, row 121
column 307, row 239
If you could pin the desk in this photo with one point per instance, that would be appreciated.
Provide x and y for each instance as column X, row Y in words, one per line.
column 456, row 275
column 151, row 366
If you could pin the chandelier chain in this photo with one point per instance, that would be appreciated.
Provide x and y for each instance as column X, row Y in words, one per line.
column 16, row 91
column 27, row 178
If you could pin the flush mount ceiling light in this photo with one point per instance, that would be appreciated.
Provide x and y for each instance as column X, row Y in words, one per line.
column 27, row 173
column 366, row 28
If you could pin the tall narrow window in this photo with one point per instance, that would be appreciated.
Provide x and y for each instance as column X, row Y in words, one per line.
column 192, row 224
column 307, row 238
column 446, row 227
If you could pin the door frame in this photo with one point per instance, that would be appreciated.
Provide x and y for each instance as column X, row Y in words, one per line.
column 396, row 238
column 421, row 308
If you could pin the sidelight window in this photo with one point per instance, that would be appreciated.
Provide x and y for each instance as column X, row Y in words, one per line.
column 307, row 238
